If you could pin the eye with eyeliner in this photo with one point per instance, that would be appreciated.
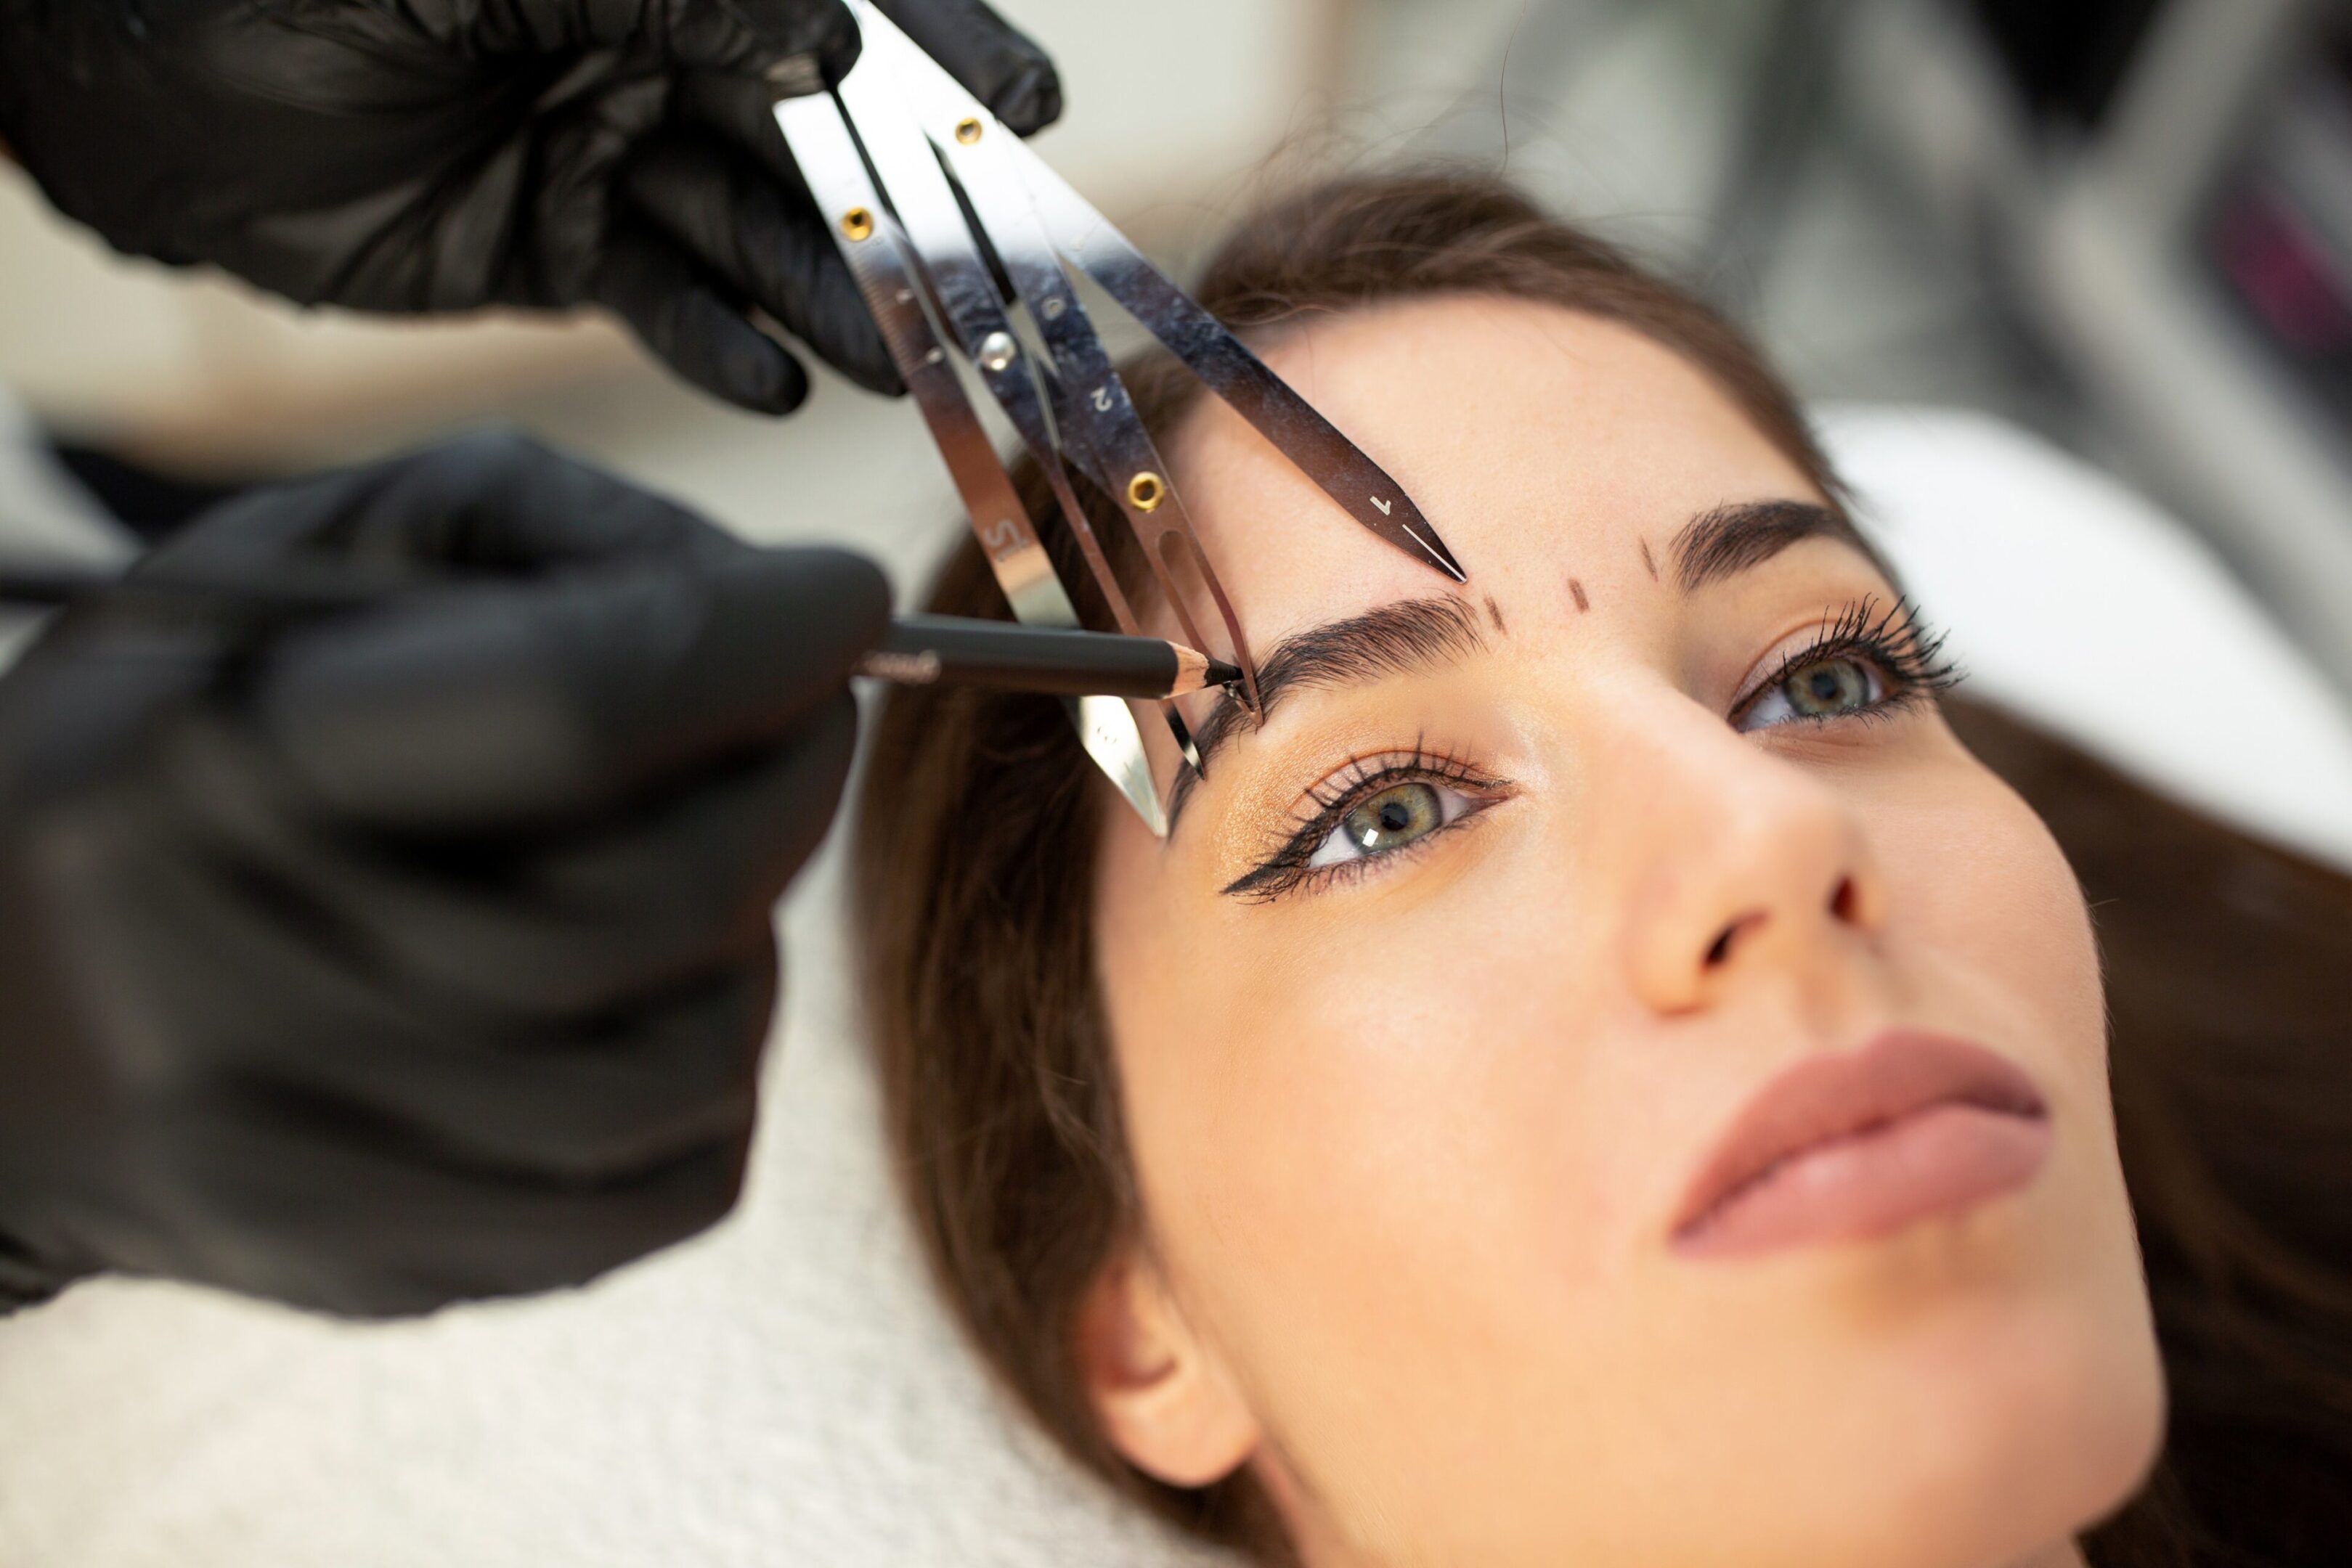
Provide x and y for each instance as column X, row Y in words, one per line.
column 1867, row 660
column 1891, row 642
column 1290, row 865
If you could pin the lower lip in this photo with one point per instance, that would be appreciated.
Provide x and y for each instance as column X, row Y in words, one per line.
column 1942, row 1160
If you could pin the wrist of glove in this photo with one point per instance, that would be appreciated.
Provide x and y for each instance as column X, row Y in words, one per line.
column 377, row 959
column 435, row 156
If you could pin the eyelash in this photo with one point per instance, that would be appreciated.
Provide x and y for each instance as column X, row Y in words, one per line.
column 1905, row 649
column 1286, row 869
column 1896, row 641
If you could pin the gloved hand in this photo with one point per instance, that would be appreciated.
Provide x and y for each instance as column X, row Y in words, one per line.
column 440, row 155
column 373, row 959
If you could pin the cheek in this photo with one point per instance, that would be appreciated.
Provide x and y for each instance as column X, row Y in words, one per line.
column 1989, row 904
column 1348, row 1140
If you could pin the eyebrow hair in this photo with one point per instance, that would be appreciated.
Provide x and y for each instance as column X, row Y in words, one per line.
column 1726, row 541
column 1389, row 640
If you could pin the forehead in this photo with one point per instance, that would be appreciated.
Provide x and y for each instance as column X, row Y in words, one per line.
column 1531, row 437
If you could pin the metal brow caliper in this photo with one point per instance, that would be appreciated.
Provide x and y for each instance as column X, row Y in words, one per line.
column 897, row 154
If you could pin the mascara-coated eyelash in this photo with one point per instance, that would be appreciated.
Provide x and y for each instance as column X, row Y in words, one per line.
column 1431, row 791
column 1898, row 661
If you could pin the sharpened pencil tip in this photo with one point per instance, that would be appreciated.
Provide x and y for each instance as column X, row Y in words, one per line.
column 1221, row 673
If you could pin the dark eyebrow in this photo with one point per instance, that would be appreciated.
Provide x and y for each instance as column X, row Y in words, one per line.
column 1727, row 539
column 1391, row 640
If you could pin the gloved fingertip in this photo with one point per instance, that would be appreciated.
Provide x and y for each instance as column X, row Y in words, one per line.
column 694, row 323
column 791, row 46
column 838, row 48
column 852, row 586
column 1004, row 67
column 756, row 375
column 786, row 629
column 874, row 372
column 826, row 311
column 1030, row 99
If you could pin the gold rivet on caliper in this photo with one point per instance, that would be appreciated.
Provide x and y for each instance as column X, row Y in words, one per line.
column 967, row 130
column 857, row 222
column 1145, row 490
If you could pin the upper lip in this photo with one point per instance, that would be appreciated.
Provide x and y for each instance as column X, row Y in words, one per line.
column 1838, row 1095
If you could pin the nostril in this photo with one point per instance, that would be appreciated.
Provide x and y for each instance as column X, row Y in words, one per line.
column 1718, row 952
column 1845, row 901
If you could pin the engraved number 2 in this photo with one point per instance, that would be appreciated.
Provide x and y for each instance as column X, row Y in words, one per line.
column 1102, row 400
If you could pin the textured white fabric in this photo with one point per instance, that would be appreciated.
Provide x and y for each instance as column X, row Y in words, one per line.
column 784, row 1391
column 781, row 1391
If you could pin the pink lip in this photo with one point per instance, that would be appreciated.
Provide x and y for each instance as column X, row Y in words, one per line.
column 1860, row 1144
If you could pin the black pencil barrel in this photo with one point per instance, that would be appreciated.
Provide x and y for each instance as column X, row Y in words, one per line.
column 919, row 650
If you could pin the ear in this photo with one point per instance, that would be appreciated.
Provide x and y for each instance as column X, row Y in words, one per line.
column 1163, row 1397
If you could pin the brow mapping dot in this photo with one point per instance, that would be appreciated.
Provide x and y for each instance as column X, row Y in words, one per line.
column 1496, row 615
column 1576, row 591
column 1649, row 562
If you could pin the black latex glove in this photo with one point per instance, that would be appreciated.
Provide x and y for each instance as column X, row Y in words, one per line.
column 435, row 155
column 382, row 958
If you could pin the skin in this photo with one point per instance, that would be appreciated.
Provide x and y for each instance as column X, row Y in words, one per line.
column 1410, row 1145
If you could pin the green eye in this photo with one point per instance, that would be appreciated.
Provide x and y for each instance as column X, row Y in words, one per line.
column 1829, row 687
column 1372, row 818
column 1387, row 821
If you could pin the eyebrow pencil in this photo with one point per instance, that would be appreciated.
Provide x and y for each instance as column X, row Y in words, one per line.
column 917, row 650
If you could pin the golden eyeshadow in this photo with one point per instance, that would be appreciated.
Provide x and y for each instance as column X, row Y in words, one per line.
column 1263, row 787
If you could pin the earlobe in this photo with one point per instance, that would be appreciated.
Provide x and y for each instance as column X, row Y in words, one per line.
column 1162, row 1396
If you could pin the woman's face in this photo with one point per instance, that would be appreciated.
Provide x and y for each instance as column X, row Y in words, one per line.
column 1455, row 1019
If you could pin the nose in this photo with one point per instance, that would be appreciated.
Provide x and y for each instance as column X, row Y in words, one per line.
column 1749, row 864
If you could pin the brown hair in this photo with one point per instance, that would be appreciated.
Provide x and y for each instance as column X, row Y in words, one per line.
column 974, row 870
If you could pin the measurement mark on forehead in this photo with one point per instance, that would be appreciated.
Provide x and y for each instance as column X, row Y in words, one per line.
column 1649, row 563
column 1496, row 615
column 1576, row 591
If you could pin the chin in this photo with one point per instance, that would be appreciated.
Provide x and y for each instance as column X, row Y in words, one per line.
column 2023, row 1424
